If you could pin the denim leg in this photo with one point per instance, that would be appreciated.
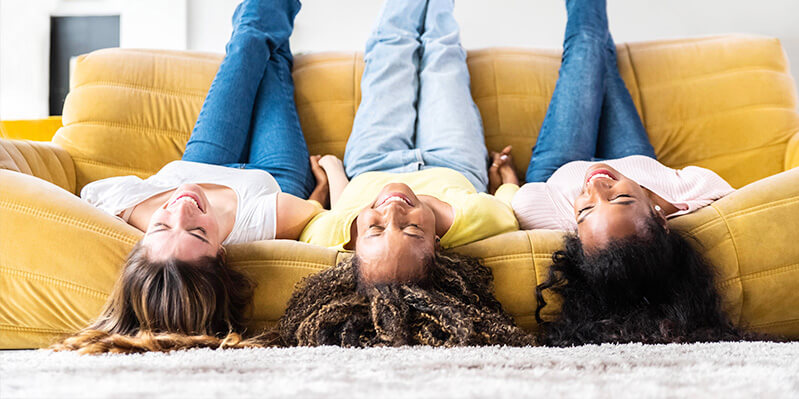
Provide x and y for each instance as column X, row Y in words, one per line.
column 570, row 128
column 221, row 133
column 621, row 132
column 449, row 129
column 276, row 141
column 382, row 137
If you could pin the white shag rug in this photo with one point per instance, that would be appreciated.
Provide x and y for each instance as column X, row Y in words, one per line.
column 723, row 370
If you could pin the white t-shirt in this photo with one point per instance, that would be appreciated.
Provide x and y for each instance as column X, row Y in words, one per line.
column 550, row 205
column 256, row 209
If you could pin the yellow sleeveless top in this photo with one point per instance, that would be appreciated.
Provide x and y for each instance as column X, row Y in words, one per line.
column 477, row 215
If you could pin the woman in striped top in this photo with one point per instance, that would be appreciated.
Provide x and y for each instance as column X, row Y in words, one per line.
column 623, row 275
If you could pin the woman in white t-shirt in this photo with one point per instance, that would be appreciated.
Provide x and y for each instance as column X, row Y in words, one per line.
column 622, row 275
column 243, row 177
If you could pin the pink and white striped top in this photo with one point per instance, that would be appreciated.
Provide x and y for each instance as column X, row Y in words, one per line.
column 550, row 205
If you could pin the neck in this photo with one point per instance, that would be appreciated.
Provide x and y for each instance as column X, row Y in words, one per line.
column 445, row 215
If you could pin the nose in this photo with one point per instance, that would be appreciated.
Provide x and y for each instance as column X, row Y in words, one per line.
column 183, row 211
column 393, row 212
column 598, row 186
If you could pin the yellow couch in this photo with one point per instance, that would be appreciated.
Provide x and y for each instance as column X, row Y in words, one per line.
column 726, row 103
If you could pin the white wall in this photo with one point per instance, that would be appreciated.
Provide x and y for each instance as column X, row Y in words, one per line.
column 25, row 42
column 24, row 83
column 344, row 25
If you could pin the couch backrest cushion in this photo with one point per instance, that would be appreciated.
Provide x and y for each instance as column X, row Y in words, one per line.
column 727, row 103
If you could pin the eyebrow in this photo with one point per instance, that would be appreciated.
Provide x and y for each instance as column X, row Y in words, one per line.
column 625, row 202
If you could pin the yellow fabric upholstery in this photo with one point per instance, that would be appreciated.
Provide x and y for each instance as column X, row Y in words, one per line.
column 726, row 103
column 36, row 129
column 792, row 153
column 46, row 161
column 749, row 237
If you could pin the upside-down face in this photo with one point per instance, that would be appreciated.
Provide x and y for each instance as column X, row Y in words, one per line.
column 396, row 236
column 185, row 227
column 611, row 206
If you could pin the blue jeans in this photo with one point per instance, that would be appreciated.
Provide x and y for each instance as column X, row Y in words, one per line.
column 416, row 109
column 591, row 114
column 249, row 118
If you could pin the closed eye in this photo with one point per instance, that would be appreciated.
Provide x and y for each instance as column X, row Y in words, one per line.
column 161, row 227
column 374, row 230
column 415, row 231
column 613, row 200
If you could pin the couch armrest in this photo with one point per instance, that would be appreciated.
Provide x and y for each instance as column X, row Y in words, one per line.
column 30, row 129
column 792, row 152
column 749, row 236
column 44, row 160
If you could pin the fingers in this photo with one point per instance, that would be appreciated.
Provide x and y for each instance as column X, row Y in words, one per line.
column 499, row 159
column 316, row 168
column 315, row 161
column 330, row 161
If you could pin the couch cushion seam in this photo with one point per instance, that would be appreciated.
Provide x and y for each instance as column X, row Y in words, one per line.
column 766, row 273
column 762, row 207
column 153, row 131
column 37, row 330
column 13, row 206
column 54, row 281
column 139, row 87
column 637, row 84
column 737, row 258
column 110, row 165
column 774, row 323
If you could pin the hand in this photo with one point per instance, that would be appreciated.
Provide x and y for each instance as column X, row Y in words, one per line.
column 501, row 169
column 330, row 163
column 318, row 171
column 321, row 192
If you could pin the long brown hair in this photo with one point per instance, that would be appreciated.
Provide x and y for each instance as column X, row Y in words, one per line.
column 453, row 306
column 168, row 305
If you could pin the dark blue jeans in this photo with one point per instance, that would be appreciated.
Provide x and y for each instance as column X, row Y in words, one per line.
column 591, row 114
column 249, row 118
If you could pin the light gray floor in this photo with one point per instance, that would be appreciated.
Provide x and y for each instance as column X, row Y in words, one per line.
column 726, row 370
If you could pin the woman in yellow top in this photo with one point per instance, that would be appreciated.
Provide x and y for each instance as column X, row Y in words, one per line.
column 418, row 165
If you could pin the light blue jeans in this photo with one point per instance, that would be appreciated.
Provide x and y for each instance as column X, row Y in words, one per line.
column 416, row 108
column 591, row 115
column 249, row 118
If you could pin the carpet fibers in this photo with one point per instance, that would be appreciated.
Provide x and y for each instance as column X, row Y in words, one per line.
column 725, row 370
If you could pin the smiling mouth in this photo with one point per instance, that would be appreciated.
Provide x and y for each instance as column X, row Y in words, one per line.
column 395, row 197
column 188, row 197
column 599, row 174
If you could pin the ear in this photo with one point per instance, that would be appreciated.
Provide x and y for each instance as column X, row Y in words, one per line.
column 222, row 253
column 660, row 216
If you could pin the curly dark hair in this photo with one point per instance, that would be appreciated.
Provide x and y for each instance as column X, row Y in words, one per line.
column 454, row 305
column 654, row 288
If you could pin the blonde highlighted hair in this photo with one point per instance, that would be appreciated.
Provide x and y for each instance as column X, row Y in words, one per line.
column 169, row 305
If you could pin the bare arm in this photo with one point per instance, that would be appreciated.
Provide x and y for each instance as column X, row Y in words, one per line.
column 336, row 176
column 292, row 215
